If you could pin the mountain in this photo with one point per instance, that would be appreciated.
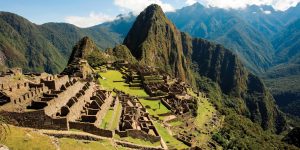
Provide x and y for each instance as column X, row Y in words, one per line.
column 284, row 78
column 23, row 45
column 120, row 25
column 44, row 47
column 77, row 63
column 228, row 28
column 155, row 41
column 287, row 44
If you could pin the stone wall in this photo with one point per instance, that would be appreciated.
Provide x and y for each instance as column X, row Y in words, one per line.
column 35, row 119
column 27, row 97
column 103, row 109
column 138, row 134
column 55, row 104
column 55, row 82
column 75, row 110
column 142, row 135
column 91, row 128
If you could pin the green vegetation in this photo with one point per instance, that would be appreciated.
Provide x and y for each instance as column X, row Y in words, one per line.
column 67, row 144
column 137, row 141
column 4, row 129
column 204, row 112
column 238, row 132
column 176, row 123
column 113, row 79
column 18, row 138
column 155, row 109
column 114, row 124
column 171, row 141
column 105, row 124
column 45, row 47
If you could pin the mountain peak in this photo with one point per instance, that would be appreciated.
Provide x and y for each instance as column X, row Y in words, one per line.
column 82, row 49
column 153, row 11
column 153, row 8
column 155, row 41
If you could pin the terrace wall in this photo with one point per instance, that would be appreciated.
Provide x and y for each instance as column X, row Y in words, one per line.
column 91, row 128
column 35, row 119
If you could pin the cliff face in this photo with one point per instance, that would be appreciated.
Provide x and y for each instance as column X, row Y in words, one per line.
column 155, row 41
column 222, row 66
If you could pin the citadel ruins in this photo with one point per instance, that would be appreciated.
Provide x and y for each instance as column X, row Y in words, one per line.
column 77, row 102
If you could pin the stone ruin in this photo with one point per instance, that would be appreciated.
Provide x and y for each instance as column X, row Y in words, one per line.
column 180, row 104
column 54, row 102
column 135, row 120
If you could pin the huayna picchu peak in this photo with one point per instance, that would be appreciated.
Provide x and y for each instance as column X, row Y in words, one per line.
column 160, row 88
column 155, row 41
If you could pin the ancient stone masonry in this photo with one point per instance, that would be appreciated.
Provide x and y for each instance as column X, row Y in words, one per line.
column 135, row 120
column 93, row 112
column 180, row 105
column 54, row 102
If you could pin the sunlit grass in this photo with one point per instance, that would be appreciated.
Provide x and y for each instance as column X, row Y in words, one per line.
column 171, row 141
column 67, row 144
column 109, row 82
column 105, row 124
column 137, row 141
column 155, row 107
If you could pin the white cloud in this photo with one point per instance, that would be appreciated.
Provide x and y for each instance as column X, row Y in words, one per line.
column 136, row 6
column 277, row 4
column 267, row 12
column 90, row 20
column 190, row 2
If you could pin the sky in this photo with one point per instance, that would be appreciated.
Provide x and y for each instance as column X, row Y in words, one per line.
column 86, row 13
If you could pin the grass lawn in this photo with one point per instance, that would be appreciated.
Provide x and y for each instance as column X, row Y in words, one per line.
column 204, row 112
column 20, row 138
column 66, row 144
column 137, row 141
column 176, row 123
column 108, row 83
column 114, row 124
column 105, row 124
column 155, row 110
column 171, row 141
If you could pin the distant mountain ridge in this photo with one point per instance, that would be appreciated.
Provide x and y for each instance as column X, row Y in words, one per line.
column 44, row 47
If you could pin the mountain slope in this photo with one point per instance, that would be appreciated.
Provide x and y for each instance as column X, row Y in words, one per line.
column 228, row 28
column 284, row 78
column 23, row 45
column 44, row 47
column 154, row 41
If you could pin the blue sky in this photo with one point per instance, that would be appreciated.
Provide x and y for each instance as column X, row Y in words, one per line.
column 85, row 13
